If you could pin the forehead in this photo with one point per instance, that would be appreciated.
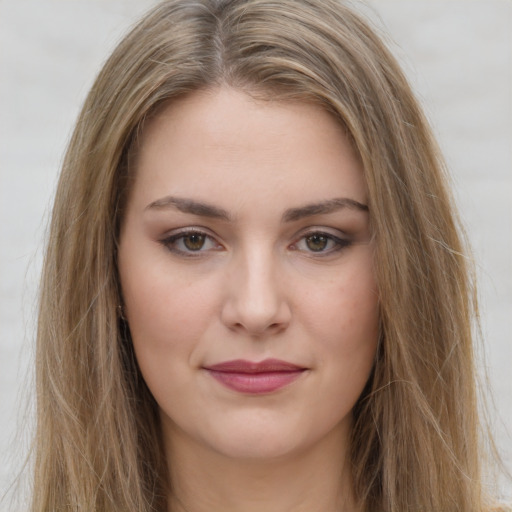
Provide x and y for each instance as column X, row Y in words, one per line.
column 224, row 142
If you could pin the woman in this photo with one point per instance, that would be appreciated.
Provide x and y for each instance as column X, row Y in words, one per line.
column 255, row 294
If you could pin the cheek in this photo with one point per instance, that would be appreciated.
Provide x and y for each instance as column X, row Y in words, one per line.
column 345, row 319
column 167, row 322
column 350, row 299
column 168, row 310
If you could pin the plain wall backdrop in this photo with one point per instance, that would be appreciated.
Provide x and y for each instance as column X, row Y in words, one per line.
column 457, row 53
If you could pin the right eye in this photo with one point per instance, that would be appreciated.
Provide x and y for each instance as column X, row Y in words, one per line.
column 190, row 243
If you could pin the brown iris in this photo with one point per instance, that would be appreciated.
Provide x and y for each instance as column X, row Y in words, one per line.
column 194, row 241
column 317, row 242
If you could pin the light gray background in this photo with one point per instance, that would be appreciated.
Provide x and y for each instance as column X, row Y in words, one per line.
column 458, row 54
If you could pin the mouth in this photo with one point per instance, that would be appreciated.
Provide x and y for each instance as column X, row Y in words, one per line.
column 255, row 377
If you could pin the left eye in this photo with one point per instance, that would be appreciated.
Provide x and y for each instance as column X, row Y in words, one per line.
column 320, row 243
column 194, row 241
column 190, row 242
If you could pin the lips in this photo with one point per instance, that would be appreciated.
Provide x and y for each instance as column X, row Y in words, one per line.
column 255, row 377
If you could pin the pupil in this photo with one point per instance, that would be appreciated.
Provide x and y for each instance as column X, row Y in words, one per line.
column 194, row 242
column 316, row 242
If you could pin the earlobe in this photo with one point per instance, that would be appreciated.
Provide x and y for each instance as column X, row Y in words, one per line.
column 120, row 313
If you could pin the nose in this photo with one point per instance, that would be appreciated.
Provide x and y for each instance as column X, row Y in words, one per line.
column 256, row 300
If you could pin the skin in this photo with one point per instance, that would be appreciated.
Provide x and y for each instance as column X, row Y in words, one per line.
column 264, row 278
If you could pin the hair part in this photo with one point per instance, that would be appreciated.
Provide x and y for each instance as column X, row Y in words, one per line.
column 415, row 443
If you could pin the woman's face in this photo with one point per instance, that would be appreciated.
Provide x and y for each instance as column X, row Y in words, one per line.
column 246, row 269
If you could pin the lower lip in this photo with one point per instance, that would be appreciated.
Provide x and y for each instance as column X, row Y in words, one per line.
column 255, row 383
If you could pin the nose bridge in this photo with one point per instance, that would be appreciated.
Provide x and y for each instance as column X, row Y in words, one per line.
column 256, row 300
column 259, row 279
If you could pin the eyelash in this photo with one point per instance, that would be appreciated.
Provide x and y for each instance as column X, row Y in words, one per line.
column 338, row 243
column 171, row 242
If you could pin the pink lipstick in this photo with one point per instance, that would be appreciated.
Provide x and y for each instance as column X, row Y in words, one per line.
column 255, row 377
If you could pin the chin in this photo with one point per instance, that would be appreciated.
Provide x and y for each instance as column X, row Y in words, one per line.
column 258, row 447
column 253, row 440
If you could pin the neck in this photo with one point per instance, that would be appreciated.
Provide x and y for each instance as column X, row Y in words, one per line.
column 313, row 480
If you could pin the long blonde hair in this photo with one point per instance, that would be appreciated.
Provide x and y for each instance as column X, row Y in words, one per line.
column 415, row 441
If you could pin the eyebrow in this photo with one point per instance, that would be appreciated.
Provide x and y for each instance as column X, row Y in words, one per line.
column 189, row 206
column 202, row 209
column 323, row 207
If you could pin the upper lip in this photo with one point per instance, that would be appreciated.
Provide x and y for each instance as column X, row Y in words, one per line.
column 265, row 366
